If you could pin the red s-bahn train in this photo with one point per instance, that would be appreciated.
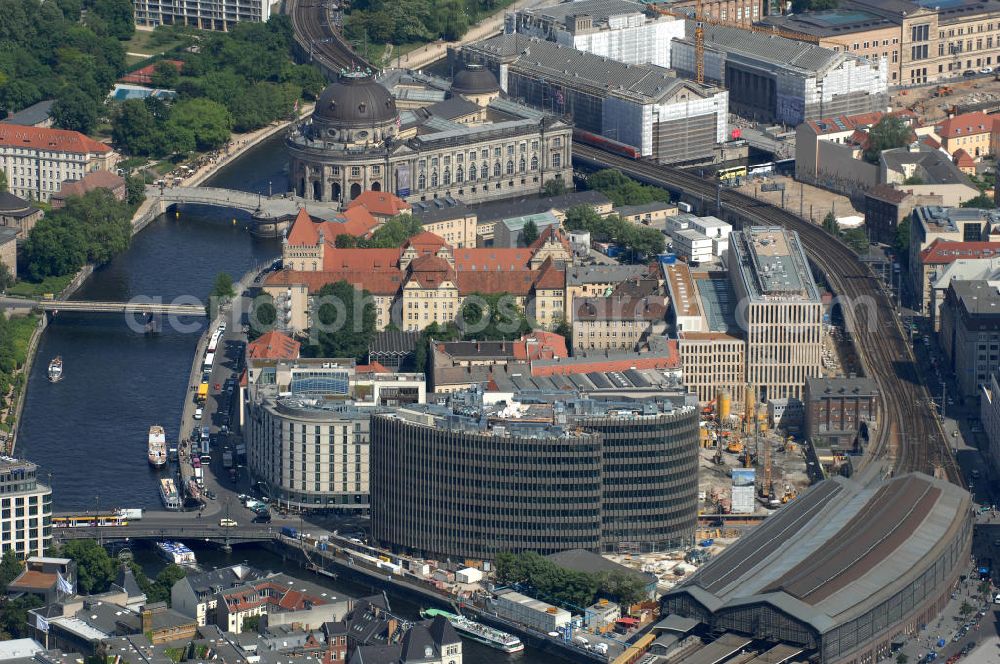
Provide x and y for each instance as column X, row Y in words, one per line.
column 605, row 143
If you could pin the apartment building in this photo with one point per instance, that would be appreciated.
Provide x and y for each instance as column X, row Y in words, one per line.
column 970, row 132
column 204, row 14
column 779, row 308
column 948, row 224
column 970, row 333
column 617, row 322
column 37, row 160
column 26, row 514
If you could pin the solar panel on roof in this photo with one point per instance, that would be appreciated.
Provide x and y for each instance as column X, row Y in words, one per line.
column 599, row 379
column 637, row 378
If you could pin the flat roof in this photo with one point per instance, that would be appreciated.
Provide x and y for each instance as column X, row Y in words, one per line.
column 773, row 264
column 538, row 58
column 718, row 303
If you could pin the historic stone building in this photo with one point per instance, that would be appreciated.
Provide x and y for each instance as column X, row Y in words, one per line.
column 357, row 140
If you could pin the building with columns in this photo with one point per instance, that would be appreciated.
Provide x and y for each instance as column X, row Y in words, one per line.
column 357, row 140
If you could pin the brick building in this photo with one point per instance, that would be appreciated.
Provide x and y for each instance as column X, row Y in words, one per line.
column 836, row 407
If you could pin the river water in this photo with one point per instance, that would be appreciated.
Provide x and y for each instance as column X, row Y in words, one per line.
column 88, row 432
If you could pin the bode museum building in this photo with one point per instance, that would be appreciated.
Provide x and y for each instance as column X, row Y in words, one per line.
column 474, row 145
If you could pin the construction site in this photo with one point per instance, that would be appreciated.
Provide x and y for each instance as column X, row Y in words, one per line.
column 748, row 470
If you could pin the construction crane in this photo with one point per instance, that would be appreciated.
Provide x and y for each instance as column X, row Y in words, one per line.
column 699, row 43
column 699, row 32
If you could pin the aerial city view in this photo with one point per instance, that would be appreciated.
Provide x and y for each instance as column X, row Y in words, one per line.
column 486, row 331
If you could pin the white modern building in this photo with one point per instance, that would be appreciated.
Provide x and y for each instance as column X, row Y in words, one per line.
column 617, row 29
column 37, row 160
column 25, row 509
column 530, row 611
column 203, row 14
column 698, row 239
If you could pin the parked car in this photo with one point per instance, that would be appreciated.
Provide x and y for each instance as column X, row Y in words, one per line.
column 198, row 413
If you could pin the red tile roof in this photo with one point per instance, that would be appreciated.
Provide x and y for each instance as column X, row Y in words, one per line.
column 963, row 159
column 380, row 203
column 89, row 182
column 145, row 74
column 376, row 283
column 361, row 260
column 425, row 242
column 55, row 140
column 274, row 346
column 492, row 259
column 304, row 230
column 358, row 222
column 519, row 282
column 967, row 124
column 549, row 276
column 540, row 345
column 943, row 252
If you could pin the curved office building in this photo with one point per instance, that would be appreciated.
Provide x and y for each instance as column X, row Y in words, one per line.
column 468, row 480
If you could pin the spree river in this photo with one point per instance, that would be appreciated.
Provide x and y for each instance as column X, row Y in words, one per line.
column 88, row 432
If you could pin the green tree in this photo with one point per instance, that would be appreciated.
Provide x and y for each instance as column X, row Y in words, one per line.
column 581, row 217
column 6, row 281
column 901, row 242
column 965, row 609
column 14, row 615
column 346, row 318
column 75, row 110
column 10, row 567
column 96, row 570
column 117, row 16
column 223, row 287
column 165, row 75
column 135, row 190
column 135, row 131
column 393, row 233
column 565, row 330
column 982, row 201
column 830, row 224
column 902, row 658
column 345, row 241
column 165, row 581
column 251, row 624
column 529, row 233
column 492, row 316
column 207, row 121
column 623, row 190
column 554, row 187
column 888, row 133
column 856, row 239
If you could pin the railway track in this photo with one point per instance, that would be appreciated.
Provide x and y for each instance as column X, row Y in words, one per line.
column 317, row 37
column 910, row 437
